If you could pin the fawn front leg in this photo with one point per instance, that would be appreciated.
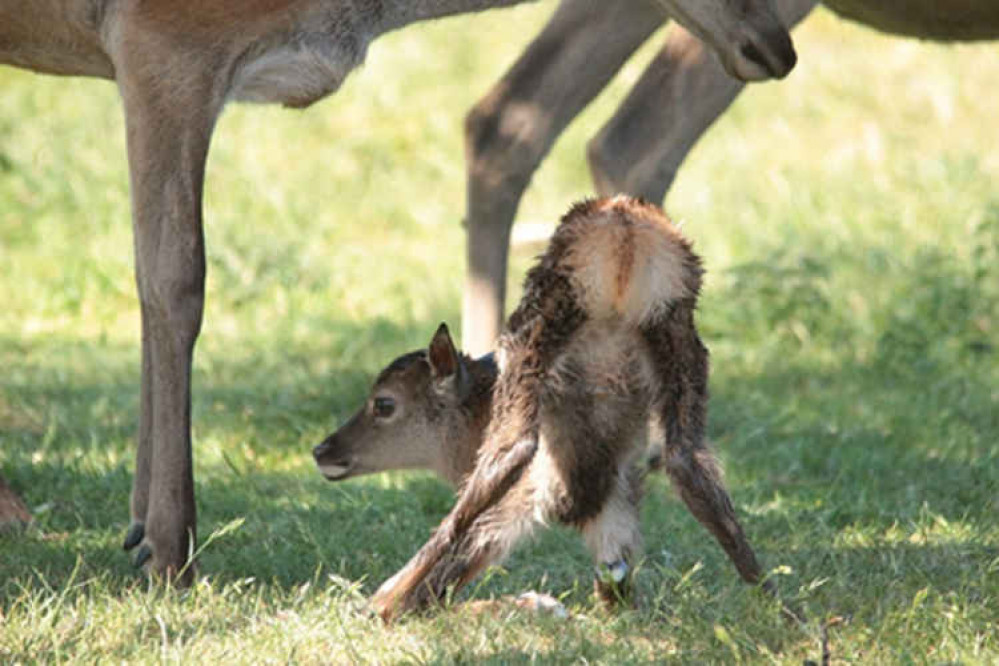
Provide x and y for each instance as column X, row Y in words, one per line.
column 487, row 541
column 461, row 546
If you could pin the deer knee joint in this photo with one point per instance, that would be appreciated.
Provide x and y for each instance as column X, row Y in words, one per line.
column 504, row 144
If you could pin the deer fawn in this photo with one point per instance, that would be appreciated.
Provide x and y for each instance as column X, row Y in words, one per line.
column 602, row 341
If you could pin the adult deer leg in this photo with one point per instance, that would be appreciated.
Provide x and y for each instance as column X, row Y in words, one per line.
column 144, row 451
column 512, row 128
column 680, row 94
column 169, row 121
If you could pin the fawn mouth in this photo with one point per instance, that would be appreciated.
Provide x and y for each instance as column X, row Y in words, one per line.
column 337, row 470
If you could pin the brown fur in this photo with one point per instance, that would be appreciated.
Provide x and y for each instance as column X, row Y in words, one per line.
column 444, row 411
column 603, row 340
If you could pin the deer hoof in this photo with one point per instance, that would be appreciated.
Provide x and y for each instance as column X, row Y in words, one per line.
column 135, row 534
column 383, row 606
column 143, row 555
column 612, row 583
column 385, row 612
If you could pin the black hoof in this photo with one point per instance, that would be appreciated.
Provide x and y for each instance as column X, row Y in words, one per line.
column 134, row 536
column 142, row 555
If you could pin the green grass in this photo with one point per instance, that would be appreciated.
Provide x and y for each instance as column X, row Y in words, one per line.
column 849, row 220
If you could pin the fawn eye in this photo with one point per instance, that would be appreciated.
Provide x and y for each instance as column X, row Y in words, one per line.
column 383, row 407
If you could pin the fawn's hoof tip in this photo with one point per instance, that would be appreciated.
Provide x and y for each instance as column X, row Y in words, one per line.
column 134, row 536
column 382, row 608
column 613, row 573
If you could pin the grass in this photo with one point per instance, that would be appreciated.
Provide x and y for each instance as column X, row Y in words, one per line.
column 849, row 219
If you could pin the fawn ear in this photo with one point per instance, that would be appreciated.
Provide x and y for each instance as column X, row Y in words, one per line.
column 444, row 360
column 446, row 366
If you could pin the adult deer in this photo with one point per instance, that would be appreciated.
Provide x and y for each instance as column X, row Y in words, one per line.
column 680, row 94
column 176, row 64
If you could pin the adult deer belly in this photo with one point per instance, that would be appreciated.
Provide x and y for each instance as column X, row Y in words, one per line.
column 298, row 72
column 945, row 20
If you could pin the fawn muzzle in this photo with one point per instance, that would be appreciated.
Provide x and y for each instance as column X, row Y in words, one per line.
column 331, row 463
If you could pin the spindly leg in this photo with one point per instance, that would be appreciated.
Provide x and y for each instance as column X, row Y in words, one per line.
column 681, row 360
column 488, row 540
column 614, row 537
column 169, row 122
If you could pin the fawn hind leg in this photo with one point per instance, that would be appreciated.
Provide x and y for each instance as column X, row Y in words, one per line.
column 696, row 475
column 614, row 537
column 681, row 361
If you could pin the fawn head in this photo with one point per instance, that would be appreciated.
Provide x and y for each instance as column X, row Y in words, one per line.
column 426, row 410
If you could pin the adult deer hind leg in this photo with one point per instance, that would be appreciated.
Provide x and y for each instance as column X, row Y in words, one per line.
column 170, row 112
column 510, row 130
column 679, row 95
column 681, row 362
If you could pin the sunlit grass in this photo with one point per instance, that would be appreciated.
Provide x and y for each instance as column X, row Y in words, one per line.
column 849, row 221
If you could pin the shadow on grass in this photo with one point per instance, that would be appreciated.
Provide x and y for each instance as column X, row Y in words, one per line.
column 826, row 459
column 879, row 446
column 68, row 417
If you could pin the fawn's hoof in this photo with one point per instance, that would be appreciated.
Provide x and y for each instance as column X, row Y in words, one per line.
column 612, row 583
column 383, row 606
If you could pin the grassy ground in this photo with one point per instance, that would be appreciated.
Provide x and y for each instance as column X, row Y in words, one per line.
column 849, row 219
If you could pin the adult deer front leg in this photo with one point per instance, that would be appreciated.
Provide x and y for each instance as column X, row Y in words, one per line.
column 681, row 93
column 510, row 130
column 169, row 121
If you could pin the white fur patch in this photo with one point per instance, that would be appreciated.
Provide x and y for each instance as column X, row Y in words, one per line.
column 614, row 534
column 334, row 471
column 294, row 74
column 629, row 271
column 538, row 602
column 545, row 480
